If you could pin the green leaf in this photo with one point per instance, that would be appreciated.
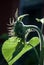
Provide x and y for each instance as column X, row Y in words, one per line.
column 11, row 46
column 34, row 41
column 8, row 47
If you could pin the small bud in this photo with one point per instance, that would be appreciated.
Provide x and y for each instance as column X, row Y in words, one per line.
column 40, row 20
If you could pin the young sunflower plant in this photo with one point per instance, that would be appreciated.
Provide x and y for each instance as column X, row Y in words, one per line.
column 16, row 46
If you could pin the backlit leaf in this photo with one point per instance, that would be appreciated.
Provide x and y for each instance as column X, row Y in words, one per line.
column 12, row 47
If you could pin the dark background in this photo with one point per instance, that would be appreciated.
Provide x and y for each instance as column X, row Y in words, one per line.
column 7, row 10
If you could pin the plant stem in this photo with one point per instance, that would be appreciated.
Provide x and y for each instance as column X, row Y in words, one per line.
column 41, row 40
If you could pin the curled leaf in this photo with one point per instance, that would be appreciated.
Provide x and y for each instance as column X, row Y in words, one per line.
column 22, row 16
